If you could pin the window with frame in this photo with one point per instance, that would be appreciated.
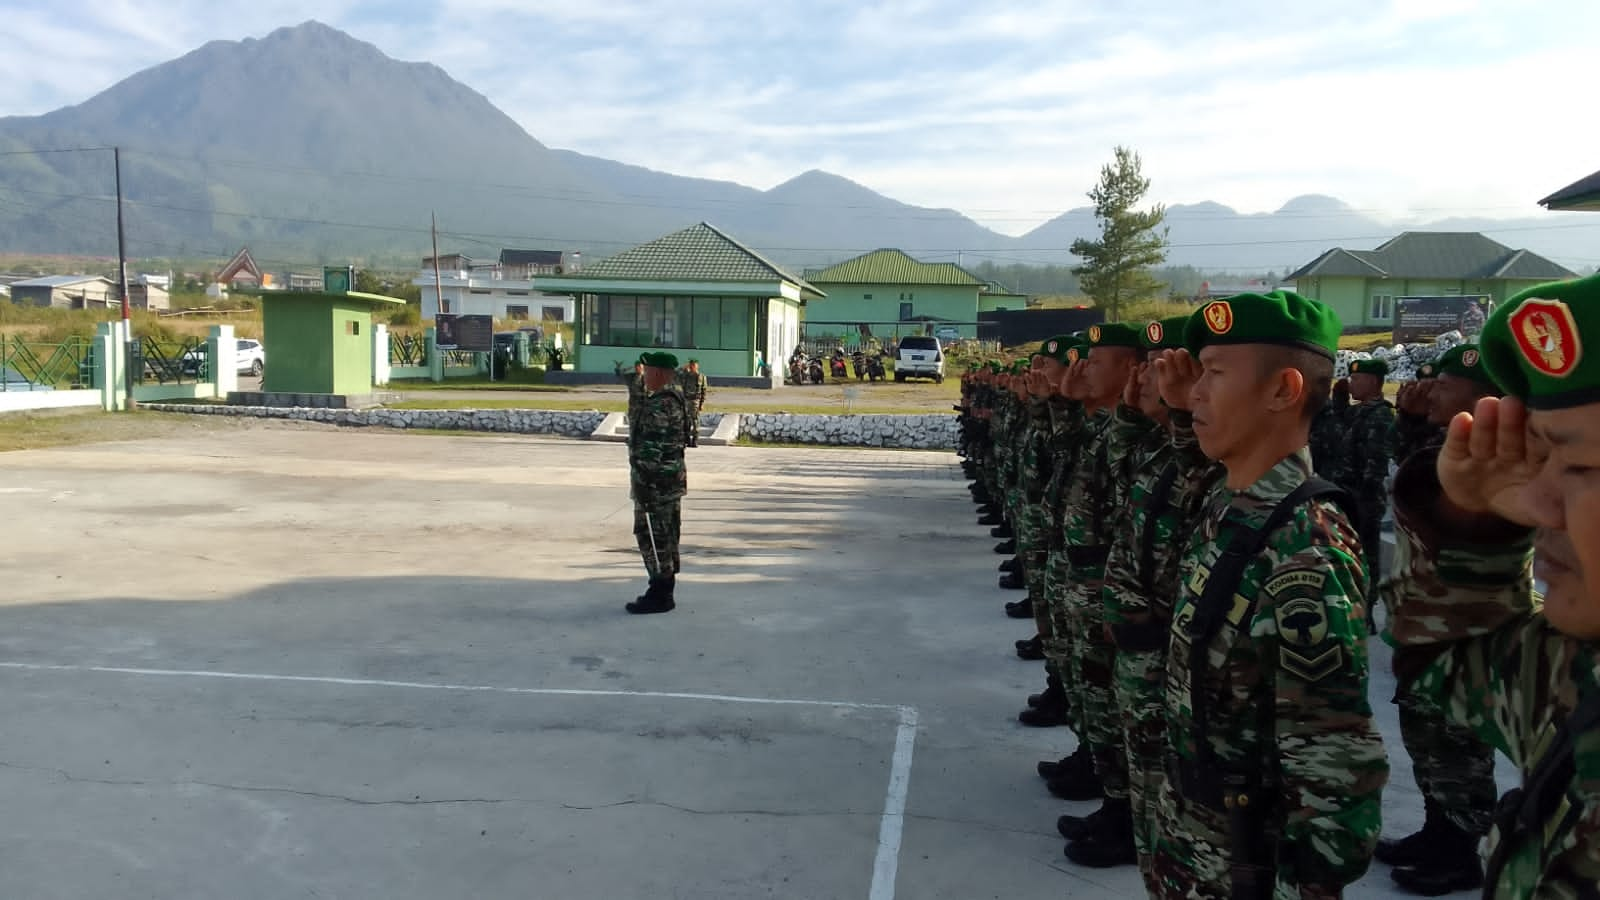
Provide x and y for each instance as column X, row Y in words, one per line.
column 517, row 313
column 703, row 323
column 905, row 312
column 1382, row 306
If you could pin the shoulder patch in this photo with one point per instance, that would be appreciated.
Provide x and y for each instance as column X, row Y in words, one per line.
column 1306, row 648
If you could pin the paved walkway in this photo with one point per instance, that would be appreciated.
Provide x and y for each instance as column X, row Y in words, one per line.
column 343, row 663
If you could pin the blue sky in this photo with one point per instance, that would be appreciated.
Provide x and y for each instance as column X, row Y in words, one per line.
column 1004, row 110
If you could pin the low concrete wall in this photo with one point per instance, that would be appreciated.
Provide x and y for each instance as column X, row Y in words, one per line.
column 19, row 401
column 153, row 393
column 919, row 432
column 516, row 421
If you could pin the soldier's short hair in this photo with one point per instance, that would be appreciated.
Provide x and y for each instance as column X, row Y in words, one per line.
column 1315, row 369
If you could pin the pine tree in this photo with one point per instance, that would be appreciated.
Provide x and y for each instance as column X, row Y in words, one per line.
column 1116, row 268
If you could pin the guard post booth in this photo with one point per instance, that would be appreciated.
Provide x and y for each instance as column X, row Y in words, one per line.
column 318, row 348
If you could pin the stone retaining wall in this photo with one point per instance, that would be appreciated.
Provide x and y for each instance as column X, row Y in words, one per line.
column 919, row 432
column 516, row 421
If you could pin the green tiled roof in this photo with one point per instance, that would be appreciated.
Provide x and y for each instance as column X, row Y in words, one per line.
column 698, row 253
column 1464, row 255
column 894, row 267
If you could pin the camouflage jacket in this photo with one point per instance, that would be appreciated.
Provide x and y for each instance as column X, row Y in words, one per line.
column 1284, row 689
column 1073, row 429
column 1411, row 433
column 656, row 440
column 1468, row 629
column 694, row 388
column 1363, row 464
column 1099, row 488
column 1142, row 573
column 1327, row 440
column 1035, row 452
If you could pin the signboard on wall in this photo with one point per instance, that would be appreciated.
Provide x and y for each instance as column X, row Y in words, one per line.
column 1425, row 318
column 338, row 279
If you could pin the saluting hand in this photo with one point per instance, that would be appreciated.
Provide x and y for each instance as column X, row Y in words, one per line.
column 1488, row 461
column 1130, row 391
column 1074, row 385
column 1177, row 372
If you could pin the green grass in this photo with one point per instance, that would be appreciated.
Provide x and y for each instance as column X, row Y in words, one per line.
column 1366, row 341
column 473, row 383
column 60, row 428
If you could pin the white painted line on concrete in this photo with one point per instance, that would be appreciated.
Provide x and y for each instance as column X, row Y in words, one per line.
column 885, row 865
column 892, row 824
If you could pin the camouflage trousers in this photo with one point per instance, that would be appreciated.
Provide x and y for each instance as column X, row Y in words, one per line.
column 1031, row 538
column 1454, row 768
column 1060, row 649
column 1192, row 855
column 1141, row 685
column 1091, row 679
column 655, row 526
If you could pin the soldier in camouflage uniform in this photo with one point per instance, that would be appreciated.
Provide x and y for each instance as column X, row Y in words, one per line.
column 1363, row 465
column 1170, row 476
column 1516, row 483
column 694, row 394
column 658, row 478
column 1094, row 499
column 1328, row 431
column 1043, row 376
column 1274, row 766
column 1412, row 430
column 1454, row 769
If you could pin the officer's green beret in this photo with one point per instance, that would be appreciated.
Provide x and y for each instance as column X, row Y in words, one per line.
column 1056, row 348
column 658, row 360
column 1114, row 334
column 1464, row 361
column 1164, row 334
column 1281, row 317
column 1533, row 344
column 1369, row 367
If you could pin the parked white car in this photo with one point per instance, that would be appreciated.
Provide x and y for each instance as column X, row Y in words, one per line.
column 919, row 357
column 250, row 358
column 12, row 380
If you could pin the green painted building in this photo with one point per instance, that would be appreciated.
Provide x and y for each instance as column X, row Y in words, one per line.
column 1362, row 285
column 888, row 290
column 318, row 343
column 695, row 293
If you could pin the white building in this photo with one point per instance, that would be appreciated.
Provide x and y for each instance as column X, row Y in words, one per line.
column 503, row 289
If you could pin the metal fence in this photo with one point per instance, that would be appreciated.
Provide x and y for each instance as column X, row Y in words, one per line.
column 36, row 366
column 183, row 361
column 408, row 350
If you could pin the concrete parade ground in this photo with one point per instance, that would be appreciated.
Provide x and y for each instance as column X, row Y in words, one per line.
column 285, row 662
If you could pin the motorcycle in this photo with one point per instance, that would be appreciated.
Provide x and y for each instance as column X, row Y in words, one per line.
column 797, row 368
column 814, row 370
column 836, row 363
column 859, row 361
column 875, row 369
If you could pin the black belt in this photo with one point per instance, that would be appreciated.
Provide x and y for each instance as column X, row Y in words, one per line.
column 1219, row 791
column 1089, row 556
column 1142, row 637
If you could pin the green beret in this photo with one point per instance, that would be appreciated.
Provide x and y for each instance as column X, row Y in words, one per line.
column 1464, row 361
column 658, row 360
column 1281, row 317
column 1056, row 348
column 1533, row 344
column 1114, row 334
column 1369, row 367
column 1164, row 334
column 1020, row 367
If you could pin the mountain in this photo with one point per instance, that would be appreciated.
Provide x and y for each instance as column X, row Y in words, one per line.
column 311, row 147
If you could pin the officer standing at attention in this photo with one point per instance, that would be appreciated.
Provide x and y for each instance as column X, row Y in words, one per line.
column 1363, row 464
column 1515, row 493
column 1275, row 768
column 658, row 478
column 694, row 395
column 1453, row 767
column 1327, row 431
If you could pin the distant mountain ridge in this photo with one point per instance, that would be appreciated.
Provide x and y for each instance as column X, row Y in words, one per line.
column 312, row 147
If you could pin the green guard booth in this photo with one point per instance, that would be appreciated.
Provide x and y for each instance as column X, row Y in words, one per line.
column 319, row 343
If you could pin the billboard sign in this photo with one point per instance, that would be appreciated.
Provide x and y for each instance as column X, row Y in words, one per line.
column 1425, row 318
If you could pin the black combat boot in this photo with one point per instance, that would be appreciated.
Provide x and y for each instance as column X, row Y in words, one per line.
column 991, row 519
column 1049, row 712
column 1031, row 649
column 1053, row 692
column 657, row 598
column 1021, row 609
column 1011, row 581
column 1009, row 565
column 1106, row 838
column 1078, row 782
column 1413, row 847
column 1002, row 531
column 1048, row 769
column 1449, row 863
column 1006, row 547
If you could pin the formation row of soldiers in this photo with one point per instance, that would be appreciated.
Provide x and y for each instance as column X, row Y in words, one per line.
column 1203, row 596
column 664, row 407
